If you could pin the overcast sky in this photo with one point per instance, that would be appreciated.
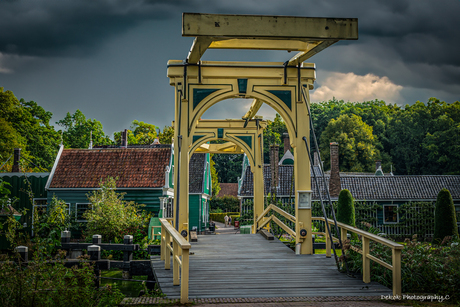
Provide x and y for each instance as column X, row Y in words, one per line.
column 108, row 57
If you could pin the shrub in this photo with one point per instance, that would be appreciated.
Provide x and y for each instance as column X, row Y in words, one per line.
column 219, row 217
column 225, row 203
column 425, row 268
column 445, row 221
column 346, row 208
column 111, row 216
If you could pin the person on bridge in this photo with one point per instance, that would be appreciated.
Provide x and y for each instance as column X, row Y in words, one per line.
column 226, row 220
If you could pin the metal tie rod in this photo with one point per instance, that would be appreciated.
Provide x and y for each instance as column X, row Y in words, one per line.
column 328, row 196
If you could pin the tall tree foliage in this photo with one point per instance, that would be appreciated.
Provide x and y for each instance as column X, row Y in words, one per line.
column 228, row 167
column 26, row 125
column 78, row 130
column 140, row 134
column 357, row 150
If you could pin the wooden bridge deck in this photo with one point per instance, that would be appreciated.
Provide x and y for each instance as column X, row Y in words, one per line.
column 240, row 266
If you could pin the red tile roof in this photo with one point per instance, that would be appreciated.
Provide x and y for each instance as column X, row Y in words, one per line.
column 134, row 167
column 228, row 189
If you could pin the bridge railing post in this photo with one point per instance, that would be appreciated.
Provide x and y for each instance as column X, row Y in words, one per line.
column 184, row 277
column 328, row 242
column 396, row 262
column 176, row 280
column 366, row 260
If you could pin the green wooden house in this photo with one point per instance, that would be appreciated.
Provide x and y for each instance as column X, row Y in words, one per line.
column 27, row 191
column 145, row 174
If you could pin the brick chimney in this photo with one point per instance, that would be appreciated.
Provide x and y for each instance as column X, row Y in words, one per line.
column 274, row 159
column 334, row 181
column 124, row 138
column 378, row 164
column 287, row 143
column 16, row 157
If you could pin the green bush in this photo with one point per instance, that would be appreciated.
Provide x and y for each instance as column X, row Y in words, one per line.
column 425, row 268
column 111, row 216
column 226, row 203
column 346, row 208
column 445, row 220
column 219, row 217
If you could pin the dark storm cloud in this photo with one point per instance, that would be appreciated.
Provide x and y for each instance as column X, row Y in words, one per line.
column 49, row 27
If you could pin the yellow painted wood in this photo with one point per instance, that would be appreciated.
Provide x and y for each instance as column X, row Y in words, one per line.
column 184, row 286
column 278, row 210
column 282, row 225
column 255, row 106
column 365, row 252
column 200, row 44
column 264, row 44
column 305, row 55
column 276, row 27
column 358, row 231
column 396, row 261
column 179, row 249
column 343, row 234
column 162, row 244
column 167, row 257
column 176, row 280
column 328, row 244
column 366, row 261
column 174, row 234
column 305, row 34
column 382, row 263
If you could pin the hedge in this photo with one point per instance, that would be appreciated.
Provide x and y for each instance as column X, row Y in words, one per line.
column 219, row 217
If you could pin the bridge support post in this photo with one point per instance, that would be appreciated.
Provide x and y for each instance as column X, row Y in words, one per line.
column 258, row 181
column 302, row 176
column 181, row 154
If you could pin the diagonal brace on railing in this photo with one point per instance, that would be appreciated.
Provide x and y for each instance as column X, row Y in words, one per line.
column 275, row 219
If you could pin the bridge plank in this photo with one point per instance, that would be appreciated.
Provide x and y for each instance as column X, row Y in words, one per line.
column 241, row 266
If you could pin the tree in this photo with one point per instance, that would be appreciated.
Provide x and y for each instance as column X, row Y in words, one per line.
column 228, row 167
column 423, row 138
column 110, row 216
column 215, row 186
column 141, row 134
column 357, row 150
column 445, row 220
column 273, row 135
column 167, row 135
column 26, row 125
column 78, row 131
column 346, row 208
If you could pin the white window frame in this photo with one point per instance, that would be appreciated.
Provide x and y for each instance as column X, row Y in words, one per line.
column 397, row 214
column 76, row 211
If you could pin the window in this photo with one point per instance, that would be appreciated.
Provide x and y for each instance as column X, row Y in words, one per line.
column 390, row 214
column 79, row 210
column 168, row 211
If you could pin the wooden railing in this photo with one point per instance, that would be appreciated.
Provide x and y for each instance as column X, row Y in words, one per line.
column 366, row 237
column 264, row 221
column 180, row 252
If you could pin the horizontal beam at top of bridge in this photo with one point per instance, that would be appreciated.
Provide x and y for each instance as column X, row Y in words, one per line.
column 261, row 32
column 274, row 27
column 239, row 70
column 234, row 124
column 225, row 148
